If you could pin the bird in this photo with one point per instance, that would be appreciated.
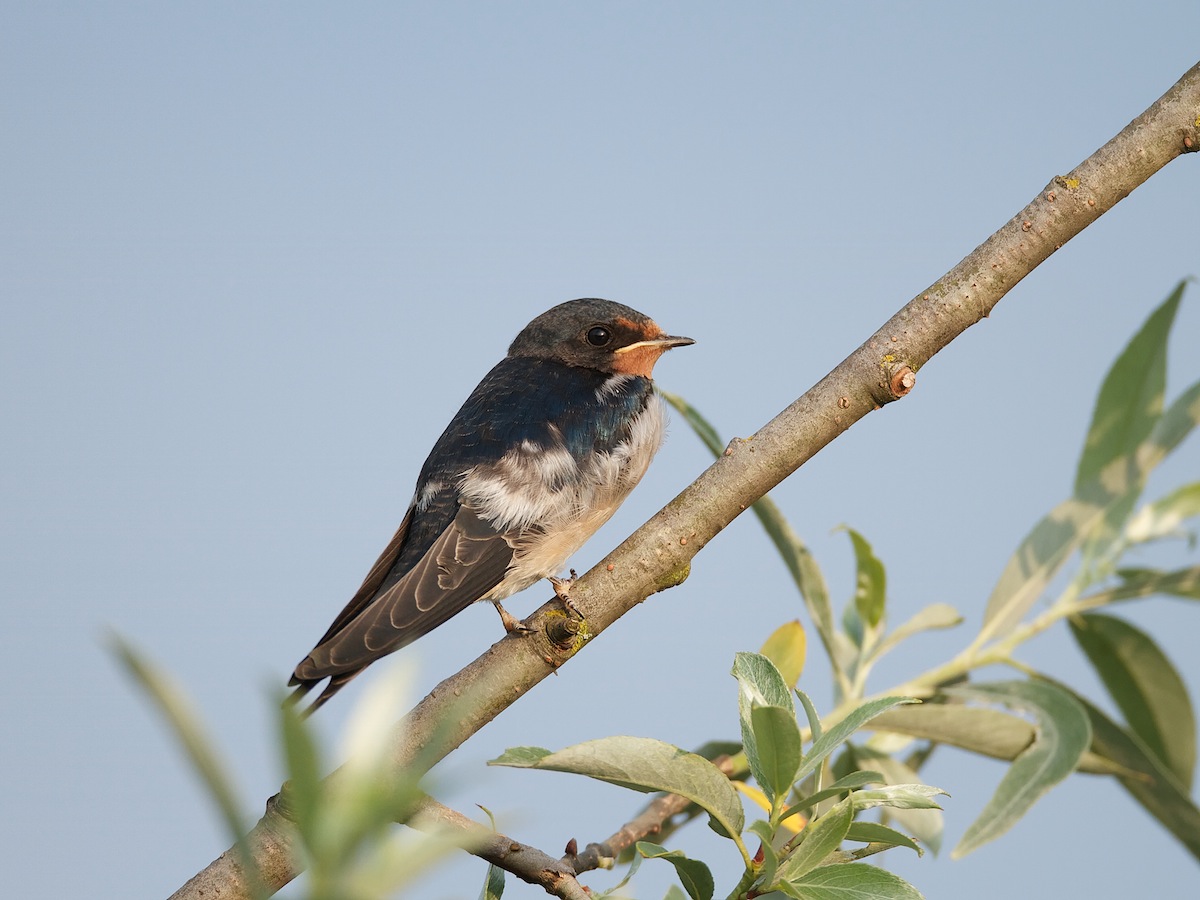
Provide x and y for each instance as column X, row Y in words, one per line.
column 540, row 455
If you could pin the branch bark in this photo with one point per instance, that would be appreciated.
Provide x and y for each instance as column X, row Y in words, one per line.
column 658, row 554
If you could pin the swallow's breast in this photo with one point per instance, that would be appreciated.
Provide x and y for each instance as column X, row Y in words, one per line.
column 549, row 502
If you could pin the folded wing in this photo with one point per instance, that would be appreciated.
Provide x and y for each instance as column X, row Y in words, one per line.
column 399, row 603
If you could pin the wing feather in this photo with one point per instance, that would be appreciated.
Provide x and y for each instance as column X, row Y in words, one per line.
column 466, row 561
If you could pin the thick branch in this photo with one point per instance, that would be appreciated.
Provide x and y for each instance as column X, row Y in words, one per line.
column 657, row 556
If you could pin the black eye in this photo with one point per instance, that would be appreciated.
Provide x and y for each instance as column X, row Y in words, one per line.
column 598, row 336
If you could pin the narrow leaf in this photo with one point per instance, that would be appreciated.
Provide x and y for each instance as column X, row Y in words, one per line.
column 927, row 825
column 1145, row 582
column 1153, row 785
column 521, row 757
column 870, row 593
column 694, row 875
column 1106, row 498
column 874, row 833
column 983, row 730
column 933, row 617
column 1036, row 561
column 810, row 713
column 840, row 733
column 303, row 789
column 1145, row 686
column 841, row 786
column 1127, row 411
column 1062, row 736
column 493, row 883
column 1175, row 425
column 1131, row 397
column 777, row 743
column 1164, row 518
column 175, row 708
column 759, row 684
column 642, row 764
column 853, row 881
column 820, row 839
column 898, row 796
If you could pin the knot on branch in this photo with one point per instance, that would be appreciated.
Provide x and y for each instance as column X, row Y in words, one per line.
column 562, row 630
column 902, row 381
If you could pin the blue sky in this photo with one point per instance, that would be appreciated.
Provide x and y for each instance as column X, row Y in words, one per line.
column 254, row 257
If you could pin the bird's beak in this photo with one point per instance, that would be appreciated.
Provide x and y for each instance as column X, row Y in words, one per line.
column 639, row 357
column 662, row 343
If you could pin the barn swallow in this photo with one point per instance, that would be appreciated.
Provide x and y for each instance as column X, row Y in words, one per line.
column 539, row 457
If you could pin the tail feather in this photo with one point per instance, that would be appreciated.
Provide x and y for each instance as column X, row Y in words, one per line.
column 336, row 683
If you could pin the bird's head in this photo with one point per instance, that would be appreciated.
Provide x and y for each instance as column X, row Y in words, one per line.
column 596, row 334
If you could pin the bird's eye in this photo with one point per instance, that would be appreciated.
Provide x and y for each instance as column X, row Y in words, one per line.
column 598, row 336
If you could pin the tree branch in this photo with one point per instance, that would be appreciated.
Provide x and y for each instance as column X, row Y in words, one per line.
column 529, row 864
column 658, row 554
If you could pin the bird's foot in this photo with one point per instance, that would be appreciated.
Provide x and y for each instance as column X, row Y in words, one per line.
column 511, row 622
column 562, row 590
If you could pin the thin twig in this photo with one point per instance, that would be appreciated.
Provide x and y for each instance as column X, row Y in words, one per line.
column 529, row 864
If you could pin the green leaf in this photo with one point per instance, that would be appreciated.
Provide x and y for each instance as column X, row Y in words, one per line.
column 1175, row 425
column 898, row 796
column 673, row 893
column 927, row 825
column 1062, row 736
column 641, row 764
column 810, row 713
column 870, row 592
column 796, row 556
column 1131, row 398
column 1145, row 686
column 766, row 848
column 1145, row 582
column 777, row 746
column 694, row 875
column 1107, row 498
column 853, row 881
column 493, row 884
column 1122, row 482
column 175, row 708
column 303, row 791
column 841, row 786
column 840, row 733
column 786, row 648
column 1038, row 558
column 1153, row 785
column 933, row 617
column 983, row 730
column 521, row 757
column 874, row 833
column 820, row 839
column 1128, row 409
column 1164, row 518
column 759, row 684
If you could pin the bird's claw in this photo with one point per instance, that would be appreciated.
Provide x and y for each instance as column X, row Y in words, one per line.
column 562, row 590
column 512, row 623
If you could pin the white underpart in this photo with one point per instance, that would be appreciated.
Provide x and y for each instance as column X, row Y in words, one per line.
column 535, row 494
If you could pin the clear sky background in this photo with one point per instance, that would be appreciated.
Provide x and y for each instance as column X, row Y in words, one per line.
column 254, row 256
